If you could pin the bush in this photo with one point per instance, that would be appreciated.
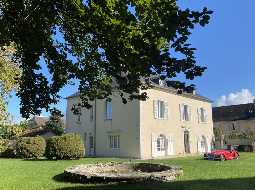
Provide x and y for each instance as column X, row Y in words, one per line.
column 7, row 148
column 68, row 146
column 3, row 145
column 31, row 147
column 12, row 131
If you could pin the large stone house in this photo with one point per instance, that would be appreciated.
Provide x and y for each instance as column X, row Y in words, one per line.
column 235, row 125
column 168, row 123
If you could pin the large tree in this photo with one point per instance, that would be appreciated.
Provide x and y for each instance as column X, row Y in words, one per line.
column 96, row 42
column 9, row 78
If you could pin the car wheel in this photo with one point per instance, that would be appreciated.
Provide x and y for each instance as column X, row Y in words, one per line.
column 222, row 158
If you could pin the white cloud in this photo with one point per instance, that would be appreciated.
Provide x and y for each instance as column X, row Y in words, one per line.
column 241, row 97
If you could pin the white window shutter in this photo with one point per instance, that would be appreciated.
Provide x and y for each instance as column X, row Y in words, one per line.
column 199, row 114
column 199, row 145
column 153, row 146
column 181, row 111
column 166, row 110
column 209, row 145
column 189, row 113
column 155, row 108
column 206, row 115
column 170, row 145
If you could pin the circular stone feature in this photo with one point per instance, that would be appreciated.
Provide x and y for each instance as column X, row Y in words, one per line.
column 122, row 172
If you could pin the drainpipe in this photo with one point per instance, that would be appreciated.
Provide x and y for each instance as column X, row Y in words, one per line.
column 95, row 127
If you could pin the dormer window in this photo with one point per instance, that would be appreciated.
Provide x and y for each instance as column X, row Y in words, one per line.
column 161, row 82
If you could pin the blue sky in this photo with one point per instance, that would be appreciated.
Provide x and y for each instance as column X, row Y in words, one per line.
column 225, row 46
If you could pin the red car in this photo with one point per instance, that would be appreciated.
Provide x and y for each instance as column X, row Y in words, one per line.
column 221, row 155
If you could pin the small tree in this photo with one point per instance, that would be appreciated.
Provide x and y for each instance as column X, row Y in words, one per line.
column 12, row 131
column 55, row 122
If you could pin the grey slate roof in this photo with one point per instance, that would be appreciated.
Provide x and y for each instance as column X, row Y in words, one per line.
column 234, row 112
column 155, row 84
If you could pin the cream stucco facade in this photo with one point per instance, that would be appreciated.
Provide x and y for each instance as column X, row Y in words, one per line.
column 135, row 130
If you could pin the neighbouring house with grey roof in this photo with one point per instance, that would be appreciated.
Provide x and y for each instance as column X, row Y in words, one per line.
column 235, row 125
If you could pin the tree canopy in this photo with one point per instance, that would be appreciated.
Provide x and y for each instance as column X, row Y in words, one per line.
column 96, row 42
column 9, row 77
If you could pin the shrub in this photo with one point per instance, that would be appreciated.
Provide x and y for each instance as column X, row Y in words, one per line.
column 7, row 148
column 68, row 146
column 12, row 131
column 3, row 145
column 31, row 147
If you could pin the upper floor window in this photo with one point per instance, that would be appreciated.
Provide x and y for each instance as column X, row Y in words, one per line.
column 185, row 112
column 160, row 109
column 202, row 115
column 79, row 117
column 91, row 113
column 108, row 110
column 233, row 127
column 161, row 82
column 114, row 141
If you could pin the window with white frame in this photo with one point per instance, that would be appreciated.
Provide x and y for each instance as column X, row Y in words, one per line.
column 160, row 109
column 161, row 143
column 203, row 115
column 108, row 110
column 185, row 112
column 114, row 141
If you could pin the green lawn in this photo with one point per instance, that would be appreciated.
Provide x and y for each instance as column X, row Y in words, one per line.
column 198, row 175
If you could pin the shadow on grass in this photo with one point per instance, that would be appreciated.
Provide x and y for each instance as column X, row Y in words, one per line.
column 215, row 184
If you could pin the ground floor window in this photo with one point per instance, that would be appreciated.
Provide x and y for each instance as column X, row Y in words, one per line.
column 161, row 144
column 91, row 142
column 114, row 141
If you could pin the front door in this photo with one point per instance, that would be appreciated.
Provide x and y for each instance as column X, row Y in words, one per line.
column 186, row 142
column 91, row 145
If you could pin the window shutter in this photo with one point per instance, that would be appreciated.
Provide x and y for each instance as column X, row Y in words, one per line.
column 199, row 145
column 153, row 146
column 209, row 145
column 155, row 105
column 189, row 113
column 166, row 110
column 181, row 111
column 170, row 145
column 105, row 111
column 206, row 115
column 199, row 114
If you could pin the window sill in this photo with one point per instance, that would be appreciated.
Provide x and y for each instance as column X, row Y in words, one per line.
column 205, row 122
column 161, row 118
column 114, row 148
column 184, row 121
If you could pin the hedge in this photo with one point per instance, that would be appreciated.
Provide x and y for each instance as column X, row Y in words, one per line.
column 68, row 146
column 31, row 147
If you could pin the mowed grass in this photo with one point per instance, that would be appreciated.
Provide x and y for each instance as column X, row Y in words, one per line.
column 16, row 174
